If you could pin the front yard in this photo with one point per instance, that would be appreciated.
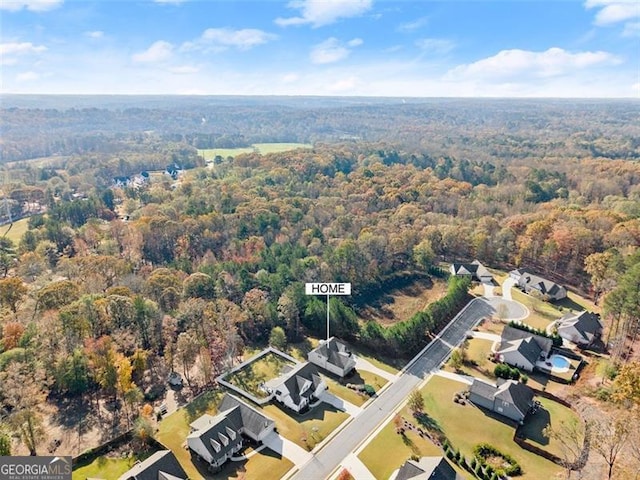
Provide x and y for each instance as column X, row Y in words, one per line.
column 308, row 429
column 360, row 377
column 106, row 468
column 467, row 425
column 477, row 364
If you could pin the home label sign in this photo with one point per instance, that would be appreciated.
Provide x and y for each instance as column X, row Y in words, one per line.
column 328, row 289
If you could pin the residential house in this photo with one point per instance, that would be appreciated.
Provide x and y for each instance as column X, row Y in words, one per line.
column 162, row 465
column 252, row 423
column 426, row 468
column 508, row 398
column 582, row 328
column 522, row 349
column 475, row 270
column 334, row 356
column 530, row 283
column 298, row 388
column 215, row 439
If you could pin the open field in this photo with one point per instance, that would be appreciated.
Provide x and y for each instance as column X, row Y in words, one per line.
column 467, row 425
column 541, row 313
column 251, row 376
column 307, row 429
column 398, row 304
column 17, row 230
column 263, row 148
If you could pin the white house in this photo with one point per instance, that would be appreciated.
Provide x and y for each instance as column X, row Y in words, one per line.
column 582, row 328
column 333, row 356
column 530, row 282
column 298, row 388
column 475, row 270
column 522, row 349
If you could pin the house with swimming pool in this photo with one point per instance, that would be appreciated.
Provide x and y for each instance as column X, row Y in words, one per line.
column 522, row 349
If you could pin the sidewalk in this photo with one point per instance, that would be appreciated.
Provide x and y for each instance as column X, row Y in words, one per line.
column 455, row 376
column 486, row 336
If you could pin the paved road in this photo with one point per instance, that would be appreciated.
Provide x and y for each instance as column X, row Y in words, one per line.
column 327, row 459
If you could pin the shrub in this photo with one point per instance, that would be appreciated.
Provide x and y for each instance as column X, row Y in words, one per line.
column 484, row 450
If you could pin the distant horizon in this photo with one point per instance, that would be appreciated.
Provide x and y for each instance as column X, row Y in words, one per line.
column 324, row 48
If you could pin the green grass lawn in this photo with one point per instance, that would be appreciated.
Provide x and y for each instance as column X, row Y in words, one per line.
column 477, row 351
column 106, row 468
column 389, row 450
column 17, row 230
column 360, row 377
column 257, row 372
column 308, row 429
column 552, row 412
column 264, row 464
column 466, row 426
column 541, row 314
column 263, row 148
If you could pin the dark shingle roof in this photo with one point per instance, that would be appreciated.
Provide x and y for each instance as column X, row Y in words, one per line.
column 220, row 427
column 427, row 468
column 511, row 333
column 546, row 287
column 162, row 465
column 298, row 377
column 335, row 352
column 587, row 324
column 244, row 415
column 517, row 394
column 483, row 389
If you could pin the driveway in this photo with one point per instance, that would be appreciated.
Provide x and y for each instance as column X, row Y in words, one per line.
column 340, row 404
column 488, row 290
column 363, row 364
column 511, row 310
column 298, row 455
column 507, row 285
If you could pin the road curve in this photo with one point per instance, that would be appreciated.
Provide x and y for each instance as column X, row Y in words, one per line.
column 331, row 456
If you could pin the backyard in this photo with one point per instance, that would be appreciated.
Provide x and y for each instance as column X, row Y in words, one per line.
column 107, row 468
column 261, row 370
column 467, row 425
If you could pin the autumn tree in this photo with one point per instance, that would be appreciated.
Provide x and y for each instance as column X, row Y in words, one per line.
column 277, row 338
column 610, row 436
column 12, row 292
column 416, row 401
column 572, row 436
column 5, row 442
column 626, row 386
column 24, row 393
column 187, row 349
column 11, row 334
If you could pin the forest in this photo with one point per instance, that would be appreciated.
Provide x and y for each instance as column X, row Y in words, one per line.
column 111, row 286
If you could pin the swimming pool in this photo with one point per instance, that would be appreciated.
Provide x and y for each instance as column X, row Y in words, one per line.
column 559, row 363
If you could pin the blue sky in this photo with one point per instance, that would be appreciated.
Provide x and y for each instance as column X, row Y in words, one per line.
column 558, row 48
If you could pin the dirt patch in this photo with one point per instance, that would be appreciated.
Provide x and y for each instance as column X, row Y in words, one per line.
column 401, row 303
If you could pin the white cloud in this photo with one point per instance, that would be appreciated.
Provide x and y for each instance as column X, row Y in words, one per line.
column 414, row 25
column 27, row 77
column 614, row 11
column 32, row 5
column 217, row 39
column 515, row 63
column 184, row 70
column 331, row 50
column 435, row 45
column 631, row 29
column 290, row 78
column 158, row 52
column 324, row 12
column 94, row 34
column 344, row 85
column 9, row 51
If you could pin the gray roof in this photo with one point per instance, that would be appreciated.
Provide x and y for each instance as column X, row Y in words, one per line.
column 510, row 336
column 335, row 351
column 297, row 378
column 546, row 287
column 162, row 465
column 244, row 415
column 427, row 468
column 586, row 324
column 515, row 393
column 220, row 430
column 475, row 269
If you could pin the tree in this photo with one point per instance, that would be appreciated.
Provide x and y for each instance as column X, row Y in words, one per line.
column 199, row 285
column 12, row 291
column 277, row 338
column 626, row 386
column 11, row 334
column 416, row 401
column 572, row 437
column 423, row 254
column 610, row 436
column 456, row 359
column 187, row 349
column 23, row 390
column 5, row 443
